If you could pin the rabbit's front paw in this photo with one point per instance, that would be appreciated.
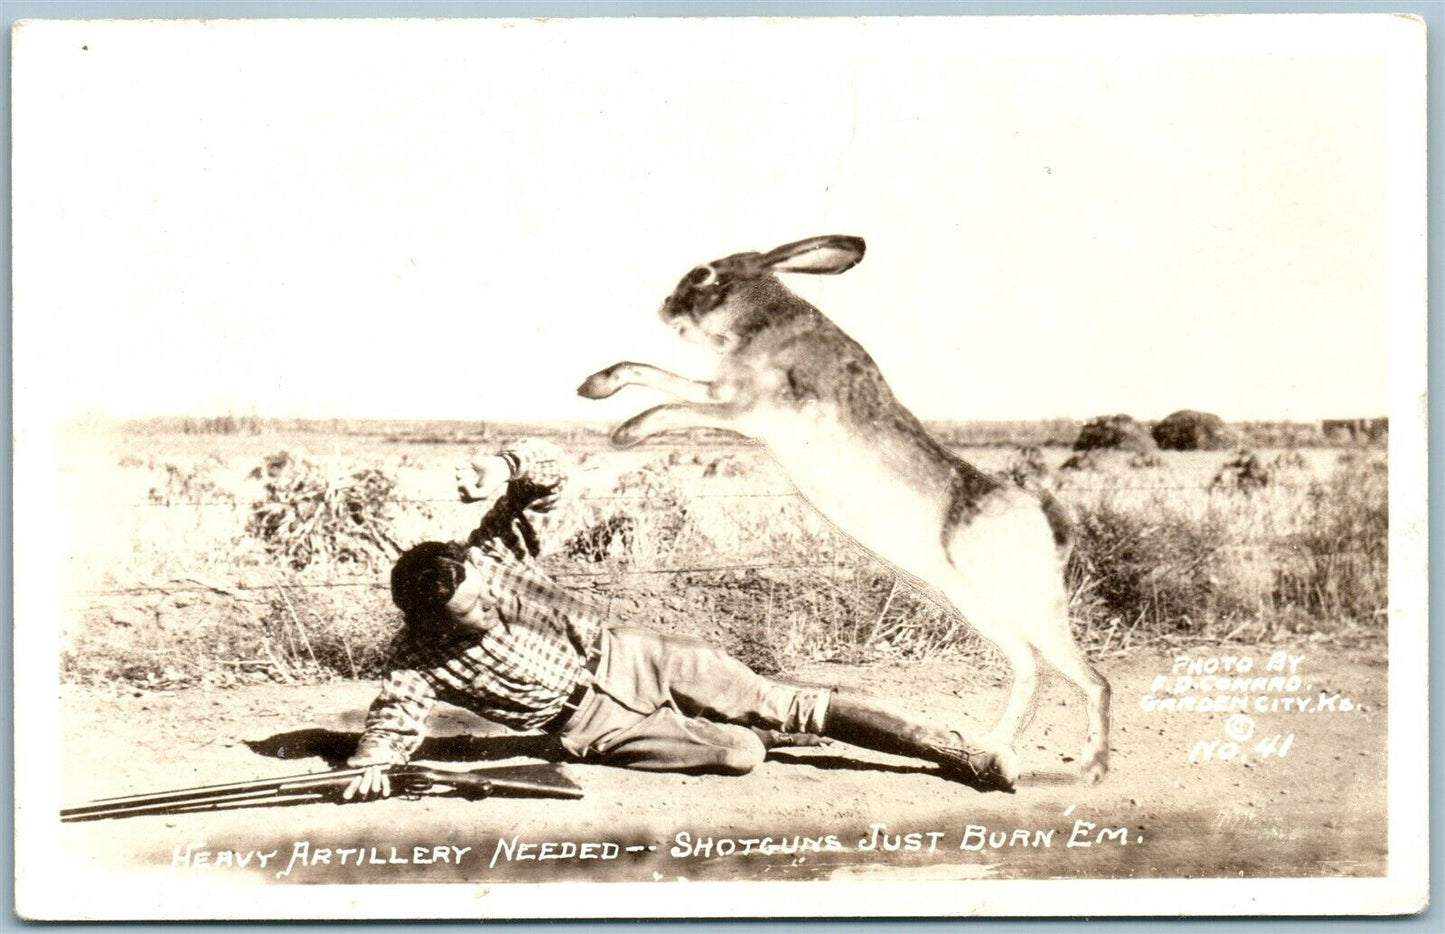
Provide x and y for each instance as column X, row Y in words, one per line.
column 629, row 433
column 601, row 384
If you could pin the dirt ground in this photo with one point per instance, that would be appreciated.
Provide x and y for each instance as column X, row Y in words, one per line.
column 1314, row 805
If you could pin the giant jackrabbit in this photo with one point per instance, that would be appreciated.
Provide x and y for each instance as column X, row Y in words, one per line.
column 790, row 378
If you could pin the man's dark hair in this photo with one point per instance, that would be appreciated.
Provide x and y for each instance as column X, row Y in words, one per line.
column 424, row 579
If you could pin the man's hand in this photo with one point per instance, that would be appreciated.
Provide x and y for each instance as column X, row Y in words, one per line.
column 482, row 477
column 373, row 783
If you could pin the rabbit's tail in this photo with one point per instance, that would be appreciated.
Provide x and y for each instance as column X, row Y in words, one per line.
column 1060, row 522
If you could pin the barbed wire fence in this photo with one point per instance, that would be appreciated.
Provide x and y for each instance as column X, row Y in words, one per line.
column 194, row 585
column 624, row 498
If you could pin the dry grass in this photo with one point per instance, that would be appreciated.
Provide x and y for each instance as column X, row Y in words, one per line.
column 1259, row 549
column 708, row 541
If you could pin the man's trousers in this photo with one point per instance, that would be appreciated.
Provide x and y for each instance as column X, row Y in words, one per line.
column 673, row 704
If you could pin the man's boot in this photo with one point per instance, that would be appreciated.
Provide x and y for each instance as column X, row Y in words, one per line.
column 872, row 726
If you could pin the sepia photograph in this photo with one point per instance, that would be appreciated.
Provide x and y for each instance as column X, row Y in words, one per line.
column 720, row 467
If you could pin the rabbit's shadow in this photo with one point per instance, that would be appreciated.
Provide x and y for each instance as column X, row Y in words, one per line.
column 335, row 746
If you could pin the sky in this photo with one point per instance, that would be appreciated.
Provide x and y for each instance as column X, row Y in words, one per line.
column 1064, row 218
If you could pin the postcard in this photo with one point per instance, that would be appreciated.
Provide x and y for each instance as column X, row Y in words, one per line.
column 720, row 468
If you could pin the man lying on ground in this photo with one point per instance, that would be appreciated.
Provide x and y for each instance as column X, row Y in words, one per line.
column 487, row 630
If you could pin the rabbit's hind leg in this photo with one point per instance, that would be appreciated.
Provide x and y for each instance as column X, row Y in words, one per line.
column 994, row 627
column 1023, row 694
column 1056, row 645
column 1003, row 577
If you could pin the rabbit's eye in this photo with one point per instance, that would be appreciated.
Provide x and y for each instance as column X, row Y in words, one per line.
column 708, row 299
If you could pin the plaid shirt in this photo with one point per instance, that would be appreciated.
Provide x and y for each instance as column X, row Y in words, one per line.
column 518, row 673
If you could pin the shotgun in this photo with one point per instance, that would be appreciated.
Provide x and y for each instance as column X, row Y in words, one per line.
column 411, row 781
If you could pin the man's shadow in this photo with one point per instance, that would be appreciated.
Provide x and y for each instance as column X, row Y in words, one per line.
column 829, row 762
column 336, row 746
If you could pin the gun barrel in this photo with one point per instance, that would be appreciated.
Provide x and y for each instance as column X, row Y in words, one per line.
column 219, row 802
column 259, row 787
column 535, row 781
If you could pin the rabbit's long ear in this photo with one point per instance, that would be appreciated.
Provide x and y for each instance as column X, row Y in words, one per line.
column 818, row 255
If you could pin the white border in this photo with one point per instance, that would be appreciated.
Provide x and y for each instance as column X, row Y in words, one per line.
column 45, row 889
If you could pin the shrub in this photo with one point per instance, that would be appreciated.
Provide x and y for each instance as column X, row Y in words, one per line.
column 183, row 487
column 612, row 537
column 659, row 511
column 1280, row 434
column 1084, row 460
column 729, row 465
column 223, row 425
column 1244, row 472
column 274, row 465
column 1057, row 432
column 1145, row 460
column 1113, row 431
column 1026, row 466
column 1288, row 461
column 1187, row 430
column 305, row 516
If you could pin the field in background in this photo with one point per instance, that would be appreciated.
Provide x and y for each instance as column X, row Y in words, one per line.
column 196, row 553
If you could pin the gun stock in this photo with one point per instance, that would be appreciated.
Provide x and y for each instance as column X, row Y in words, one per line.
column 522, row 781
